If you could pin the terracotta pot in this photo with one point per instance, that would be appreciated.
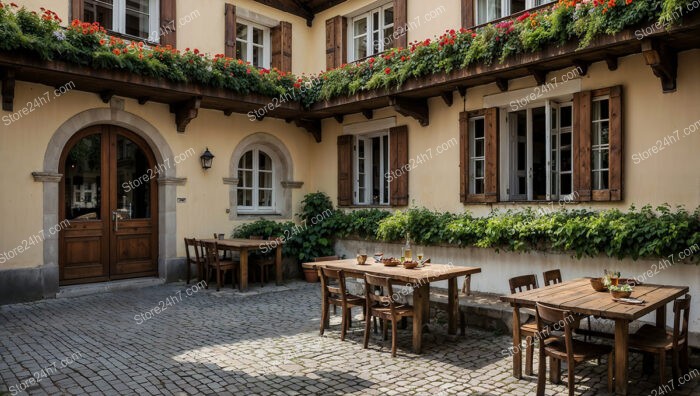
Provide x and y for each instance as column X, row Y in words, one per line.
column 311, row 275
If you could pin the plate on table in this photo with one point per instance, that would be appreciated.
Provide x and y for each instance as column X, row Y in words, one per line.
column 631, row 301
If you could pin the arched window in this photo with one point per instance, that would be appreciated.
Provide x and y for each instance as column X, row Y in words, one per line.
column 256, row 187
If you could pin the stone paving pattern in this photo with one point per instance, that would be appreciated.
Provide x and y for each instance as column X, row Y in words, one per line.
column 263, row 342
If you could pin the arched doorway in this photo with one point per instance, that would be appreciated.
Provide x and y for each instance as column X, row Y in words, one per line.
column 109, row 194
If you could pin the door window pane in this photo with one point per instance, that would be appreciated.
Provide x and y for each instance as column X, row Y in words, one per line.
column 133, row 181
column 82, row 180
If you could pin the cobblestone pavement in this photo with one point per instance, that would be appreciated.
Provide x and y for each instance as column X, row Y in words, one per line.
column 261, row 343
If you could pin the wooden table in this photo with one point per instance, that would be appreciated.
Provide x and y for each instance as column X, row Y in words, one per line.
column 244, row 246
column 578, row 296
column 419, row 279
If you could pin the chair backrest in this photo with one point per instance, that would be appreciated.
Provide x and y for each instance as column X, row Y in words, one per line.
column 553, row 319
column 333, row 281
column 211, row 253
column 327, row 258
column 384, row 283
column 681, row 312
column 552, row 277
column 190, row 242
column 522, row 283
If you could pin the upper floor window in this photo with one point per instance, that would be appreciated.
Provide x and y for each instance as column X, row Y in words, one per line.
column 137, row 18
column 477, row 155
column 371, row 32
column 253, row 43
column 600, row 142
column 489, row 10
column 256, row 190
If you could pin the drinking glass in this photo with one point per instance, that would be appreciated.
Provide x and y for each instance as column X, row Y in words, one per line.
column 419, row 253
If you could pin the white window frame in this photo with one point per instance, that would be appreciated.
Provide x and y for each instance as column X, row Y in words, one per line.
column 596, row 168
column 255, row 208
column 555, row 145
column 366, row 139
column 473, row 158
column 505, row 8
column 119, row 19
column 511, row 150
column 266, row 46
column 370, row 30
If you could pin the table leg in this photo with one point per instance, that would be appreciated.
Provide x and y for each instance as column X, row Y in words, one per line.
column 243, row 279
column 452, row 306
column 278, row 264
column 661, row 317
column 622, row 329
column 517, row 352
column 421, row 298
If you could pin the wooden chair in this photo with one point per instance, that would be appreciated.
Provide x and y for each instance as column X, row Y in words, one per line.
column 552, row 277
column 383, row 307
column 333, row 282
column 327, row 258
column 214, row 262
column 564, row 349
column 651, row 339
column 262, row 262
column 529, row 329
column 198, row 259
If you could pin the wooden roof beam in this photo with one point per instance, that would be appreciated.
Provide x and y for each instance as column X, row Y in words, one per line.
column 663, row 62
column 311, row 126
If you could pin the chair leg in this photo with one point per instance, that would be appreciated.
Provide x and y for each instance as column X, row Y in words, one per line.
column 662, row 367
column 324, row 315
column 555, row 371
column 189, row 265
column 611, row 370
column 674, row 363
column 541, row 373
column 208, row 275
column 344, row 322
column 684, row 361
column 572, row 378
column 462, row 324
column 376, row 326
column 394, row 336
column 218, row 279
column 368, row 323
column 385, row 329
column 529, row 346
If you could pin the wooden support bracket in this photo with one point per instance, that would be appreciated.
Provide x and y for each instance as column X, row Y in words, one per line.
column 228, row 112
column 448, row 97
column 462, row 91
column 369, row 114
column 611, row 60
column 143, row 100
column 539, row 74
column 339, row 118
column 8, row 89
column 582, row 66
column 416, row 108
column 311, row 126
column 502, row 84
column 106, row 96
column 663, row 62
column 185, row 112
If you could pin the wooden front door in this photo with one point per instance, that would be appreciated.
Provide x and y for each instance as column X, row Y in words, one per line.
column 109, row 196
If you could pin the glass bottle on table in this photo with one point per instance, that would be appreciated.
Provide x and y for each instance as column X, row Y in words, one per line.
column 407, row 250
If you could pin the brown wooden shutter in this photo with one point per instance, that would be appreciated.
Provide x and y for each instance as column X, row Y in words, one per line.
column 336, row 42
column 168, row 23
column 582, row 146
column 490, row 152
column 616, row 144
column 468, row 14
column 231, row 31
column 281, row 37
column 77, row 9
column 463, row 157
column 400, row 23
column 398, row 156
column 345, row 170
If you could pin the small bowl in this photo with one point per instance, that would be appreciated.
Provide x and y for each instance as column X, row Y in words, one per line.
column 410, row 264
column 597, row 285
column 620, row 294
column 390, row 262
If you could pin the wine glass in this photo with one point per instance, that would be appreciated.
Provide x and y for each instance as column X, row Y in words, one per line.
column 419, row 254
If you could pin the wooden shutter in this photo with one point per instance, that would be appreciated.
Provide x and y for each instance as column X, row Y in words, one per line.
column 345, row 170
column 400, row 23
column 77, row 9
column 230, row 34
column 468, row 14
column 583, row 112
column 168, row 23
column 582, row 146
column 281, row 37
column 398, row 156
column 336, row 42
column 490, row 152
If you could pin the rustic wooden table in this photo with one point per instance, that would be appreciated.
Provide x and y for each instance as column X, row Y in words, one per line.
column 578, row 296
column 419, row 279
column 244, row 246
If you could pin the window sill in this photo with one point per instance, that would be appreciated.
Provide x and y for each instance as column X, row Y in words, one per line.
column 131, row 38
column 366, row 207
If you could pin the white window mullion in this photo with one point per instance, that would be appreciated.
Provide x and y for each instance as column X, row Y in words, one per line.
column 548, row 149
column 529, row 152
